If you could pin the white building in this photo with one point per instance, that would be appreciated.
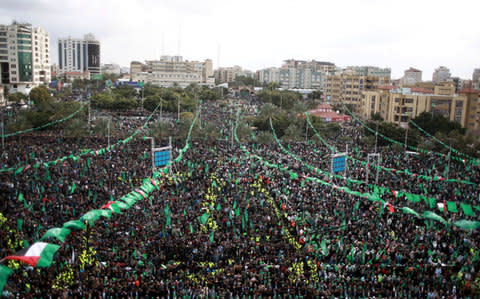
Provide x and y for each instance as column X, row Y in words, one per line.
column 111, row 68
column 79, row 55
column 441, row 74
column 24, row 57
column 297, row 74
column 171, row 70
column 411, row 76
column 371, row 71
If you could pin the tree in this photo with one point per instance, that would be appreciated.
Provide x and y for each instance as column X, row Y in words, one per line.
column 125, row 91
column 160, row 130
column 264, row 137
column 315, row 95
column 292, row 133
column 76, row 127
column 437, row 123
column 17, row 98
column 40, row 95
column 101, row 127
column 210, row 132
column 244, row 131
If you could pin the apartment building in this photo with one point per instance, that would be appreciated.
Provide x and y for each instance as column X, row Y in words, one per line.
column 24, row 57
column 348, row 87
column 441, row 74
column 370, row 71
column 228, row 74
column 398, row 105
column 411, row 77
column 79, row 57
column 173, row 70
column 297, row 74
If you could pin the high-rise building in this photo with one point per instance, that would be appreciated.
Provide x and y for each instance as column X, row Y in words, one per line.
column 24, row 56
column 400, row 104
column 348, row 87
column 170, row 70
column 297, row 74
column 79, row 56
column 411, row 77
column 228, row 74
column 370, row 71
column 476, row 75
column 441, row 74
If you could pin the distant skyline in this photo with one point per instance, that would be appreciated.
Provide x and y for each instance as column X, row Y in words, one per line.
column 259, row 34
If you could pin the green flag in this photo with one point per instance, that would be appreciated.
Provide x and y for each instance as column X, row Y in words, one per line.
column 20, row 197
column 467, row 209
column 203, row 219
column 19, row 224
column 211, row 236
column 73, row 188
column 191, row 228
column 467, row 224
column 57, row 233
column 4, row 273
column 452, row 207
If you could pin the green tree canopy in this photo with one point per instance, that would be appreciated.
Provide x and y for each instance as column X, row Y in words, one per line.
column 40, row 95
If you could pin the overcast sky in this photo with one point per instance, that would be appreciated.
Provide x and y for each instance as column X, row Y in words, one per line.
column 257, row 34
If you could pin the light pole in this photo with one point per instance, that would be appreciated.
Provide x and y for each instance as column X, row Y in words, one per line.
column 161, row 103
column 178, row 108
column 108, row 131
column 406, row 131
column 449, row 157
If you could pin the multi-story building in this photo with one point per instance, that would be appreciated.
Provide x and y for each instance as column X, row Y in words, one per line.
column 228, row 74
column 24, row 56
column 441, row 74
column 111, row 68
column 476, row 75
column 348, row 87
column 297, row 74
column 371, row 71
column 411, row 77
column 170, row 70
column 398, row 105
column 79, row 56
column 472, row 118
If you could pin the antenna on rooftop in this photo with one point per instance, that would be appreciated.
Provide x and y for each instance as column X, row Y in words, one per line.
column 218, row 56
column 163, row 43
column 179, row 39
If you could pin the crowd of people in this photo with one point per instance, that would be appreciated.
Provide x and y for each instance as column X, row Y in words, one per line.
column 224, row 223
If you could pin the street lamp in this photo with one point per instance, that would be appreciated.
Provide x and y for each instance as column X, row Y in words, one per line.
column 406, row 132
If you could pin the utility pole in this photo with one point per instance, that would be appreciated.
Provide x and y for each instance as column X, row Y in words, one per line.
column 449, row 158
column 89, row 116
column 376, row 138
column 178, row 108
column 161, row 104
column 3, row 133
column 108, row 131
column 406, row 136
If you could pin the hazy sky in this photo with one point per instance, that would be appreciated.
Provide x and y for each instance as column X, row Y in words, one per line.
column 256, row 34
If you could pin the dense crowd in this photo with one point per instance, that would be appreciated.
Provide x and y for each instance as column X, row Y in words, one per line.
column 223, row 223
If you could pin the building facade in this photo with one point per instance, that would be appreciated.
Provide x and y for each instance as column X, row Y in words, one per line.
column 348, row 87
column 79, row 55
column 111, row 68
column 370, row 71
column 24, row 56
column 411, row 77
column 297, row 74
column 441, row 74
column 399, row 105
column 173, row 70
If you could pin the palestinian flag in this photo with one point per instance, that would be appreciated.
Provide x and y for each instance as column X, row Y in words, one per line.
column 40, row 254
column 110, row 205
